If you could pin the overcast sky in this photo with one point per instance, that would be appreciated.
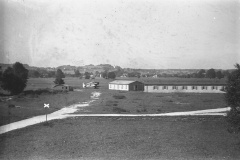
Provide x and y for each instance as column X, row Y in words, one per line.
column 157, row 34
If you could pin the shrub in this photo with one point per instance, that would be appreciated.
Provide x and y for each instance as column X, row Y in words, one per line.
column 119, row 97
column 111, row 103
column 141, row 110
column 119, row 110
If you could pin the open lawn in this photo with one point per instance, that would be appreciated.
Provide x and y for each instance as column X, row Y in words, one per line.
column 33, row 104
column 185, row 137
column 194, row 138
column 110, row 101
column 141, row 102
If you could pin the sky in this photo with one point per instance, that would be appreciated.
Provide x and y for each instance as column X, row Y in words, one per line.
column 146, row 34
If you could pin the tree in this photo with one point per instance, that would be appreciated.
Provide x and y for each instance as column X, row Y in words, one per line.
column 134, row 74
column 119, row 71
column 51, row 73
column 14, row 79
column 77, row 73
column 219, row 74
column 211, row 73
column 226, row 73
column 87, row 75
column 105, row 74
column 111, row 75
column 97, row 73
column 232, row 98
column 59, row 76
column 0, row 74
column 59, row 81
column 201, row 73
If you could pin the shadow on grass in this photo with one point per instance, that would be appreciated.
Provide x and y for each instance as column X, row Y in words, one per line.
column 48, row 124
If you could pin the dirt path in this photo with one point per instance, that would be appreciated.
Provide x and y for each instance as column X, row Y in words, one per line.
column 67, row 112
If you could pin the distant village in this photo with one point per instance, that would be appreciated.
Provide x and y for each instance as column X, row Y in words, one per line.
column 102, row 70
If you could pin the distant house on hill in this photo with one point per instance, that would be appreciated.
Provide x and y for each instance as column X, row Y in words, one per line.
column 62, row 87
column 184, row 87
column 124, row 85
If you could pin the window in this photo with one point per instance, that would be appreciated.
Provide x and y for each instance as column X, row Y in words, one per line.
column 184, row 87
column 174, row 87
column 155, row 87
column 194, row 87
column 165, row 87
column 204, row 87
column 213, row 87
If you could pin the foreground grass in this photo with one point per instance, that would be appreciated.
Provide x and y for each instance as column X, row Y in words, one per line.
column 123, row 138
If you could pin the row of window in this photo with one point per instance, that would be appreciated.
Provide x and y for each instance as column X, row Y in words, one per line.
column 185, row 87
column 111, row 86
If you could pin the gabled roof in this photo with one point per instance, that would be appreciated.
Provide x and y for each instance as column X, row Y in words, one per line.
column 122, row 82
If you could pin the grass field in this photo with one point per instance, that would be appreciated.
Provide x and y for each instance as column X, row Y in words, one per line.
column 32, row 104
column 193, row 138
column 110, row 101
column 141, row 102
column 186, row 137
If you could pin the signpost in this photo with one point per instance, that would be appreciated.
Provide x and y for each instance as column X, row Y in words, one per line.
column 46, row 106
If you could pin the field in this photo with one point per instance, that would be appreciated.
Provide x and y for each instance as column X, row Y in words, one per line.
column 185, row 137
column 110, row 101
column 194, row 138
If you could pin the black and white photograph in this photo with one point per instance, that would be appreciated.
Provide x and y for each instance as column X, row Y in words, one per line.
column 119, row 79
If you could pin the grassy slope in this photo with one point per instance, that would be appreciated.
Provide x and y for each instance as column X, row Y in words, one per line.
column 123, row 138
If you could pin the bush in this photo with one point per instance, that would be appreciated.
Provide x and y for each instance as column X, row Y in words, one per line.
column 141, row 110
column 111, row 103
column 119, row 110
column 111, row 75
column 119, row 97
column 59, row 81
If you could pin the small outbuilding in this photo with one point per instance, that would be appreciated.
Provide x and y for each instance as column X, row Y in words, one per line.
column 62, row 87
column 125, row 85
